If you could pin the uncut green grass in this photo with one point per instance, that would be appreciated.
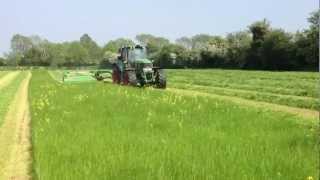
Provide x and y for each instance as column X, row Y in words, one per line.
column 7, row 94
column 103, row 131
column 297, row 89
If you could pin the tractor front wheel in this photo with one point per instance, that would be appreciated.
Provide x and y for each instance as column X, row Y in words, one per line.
column 160, row 79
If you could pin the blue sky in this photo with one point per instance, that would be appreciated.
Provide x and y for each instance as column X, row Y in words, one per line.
column 103, row 20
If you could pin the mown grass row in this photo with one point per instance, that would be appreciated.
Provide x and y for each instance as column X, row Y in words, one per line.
column 3, row 73
column 103, row 131
column 294, row 101
column 56, row 75
column 286, row 83
column 7, row 94
column 254, row 85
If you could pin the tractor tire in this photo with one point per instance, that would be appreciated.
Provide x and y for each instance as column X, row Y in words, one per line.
column 160, row 79
column 116, row 75
column 98, row 76
column 125, row 78
column 132, row 78
column 141, row 80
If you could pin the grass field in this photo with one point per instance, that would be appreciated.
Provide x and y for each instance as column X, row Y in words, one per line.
column 102, row 131
column 296, row 89
column 3, row 73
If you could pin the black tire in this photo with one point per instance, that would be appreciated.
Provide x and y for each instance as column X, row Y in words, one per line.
column 98, row 77
column 140, row 79
column 116, row 75
column 160, row 78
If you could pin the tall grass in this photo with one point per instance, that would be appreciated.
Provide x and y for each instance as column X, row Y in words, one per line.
column 102, row 131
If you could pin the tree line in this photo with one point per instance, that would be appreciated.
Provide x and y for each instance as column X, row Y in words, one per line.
column 260, row 47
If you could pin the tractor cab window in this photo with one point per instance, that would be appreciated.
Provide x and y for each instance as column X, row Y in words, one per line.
column 137, row 54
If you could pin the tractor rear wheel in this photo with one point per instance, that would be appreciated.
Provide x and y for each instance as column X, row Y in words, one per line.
column 160, row 79
column 132, row 77
column 126, row 78
column 116, row 75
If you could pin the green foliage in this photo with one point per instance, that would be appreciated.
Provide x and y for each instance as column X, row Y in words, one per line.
column 94, row 130
column 76, row 54
column 308, row 42
column 259, row 30
column 109, row 58
column 275, row 50
column 2, row 61
column 238, row 46
column 201, row 41
column 94, row 51
column 114, row 45
column 153, row 43
column 20, row 44
column 185, row 42
column 36, row 51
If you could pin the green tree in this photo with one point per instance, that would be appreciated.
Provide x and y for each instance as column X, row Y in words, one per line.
column 185, row 42
column 237, row 50
column 258, row 30
column 20, row 44
column 114, row 45
column 109, row 58
column 144, row 39
column 275, row 50
column 152, row 43
column 201, row 41
column 76, row 54
column 13, row 59
column 57, row 53
column 2, row 61
column 94, row 51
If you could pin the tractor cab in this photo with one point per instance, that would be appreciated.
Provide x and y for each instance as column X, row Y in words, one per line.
column 134, row 68
column 138, row 53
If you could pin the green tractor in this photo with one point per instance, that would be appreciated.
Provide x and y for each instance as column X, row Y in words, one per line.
column 133, row 68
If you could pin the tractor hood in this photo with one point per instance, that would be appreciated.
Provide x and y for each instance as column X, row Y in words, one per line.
column 143, row 61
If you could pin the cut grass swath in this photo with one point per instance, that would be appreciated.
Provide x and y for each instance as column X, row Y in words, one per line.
column 7, row 94
column 286, row 83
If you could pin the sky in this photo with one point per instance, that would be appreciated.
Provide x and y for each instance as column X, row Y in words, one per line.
column 104, row 20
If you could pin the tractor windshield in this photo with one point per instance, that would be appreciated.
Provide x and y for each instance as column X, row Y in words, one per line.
column 140, row 54
column 137, row 54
